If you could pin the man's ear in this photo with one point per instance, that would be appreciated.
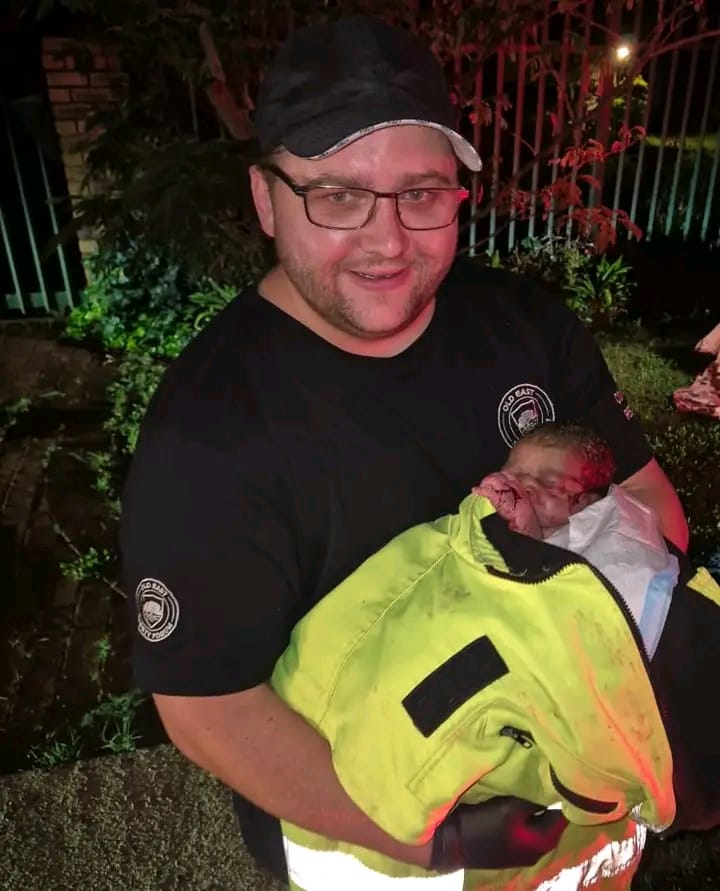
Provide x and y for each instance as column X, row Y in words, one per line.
column 260, row 189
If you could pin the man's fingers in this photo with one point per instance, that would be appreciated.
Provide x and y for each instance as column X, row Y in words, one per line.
column 550, row 821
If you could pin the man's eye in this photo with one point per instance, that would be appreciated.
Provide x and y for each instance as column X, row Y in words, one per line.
column 338, row 196
column 417, row 196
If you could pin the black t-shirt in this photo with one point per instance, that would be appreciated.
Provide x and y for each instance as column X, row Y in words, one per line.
column 270, row 464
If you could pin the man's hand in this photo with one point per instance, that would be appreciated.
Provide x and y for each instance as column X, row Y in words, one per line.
column 502, row 833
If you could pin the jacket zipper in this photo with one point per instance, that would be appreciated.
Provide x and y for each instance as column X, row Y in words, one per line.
column 523, row 737
column 616, row 595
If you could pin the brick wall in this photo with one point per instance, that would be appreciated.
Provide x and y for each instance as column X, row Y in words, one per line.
column 73, row 95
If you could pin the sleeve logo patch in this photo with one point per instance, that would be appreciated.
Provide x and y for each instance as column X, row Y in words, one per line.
column 622, row 402
column 157, row 610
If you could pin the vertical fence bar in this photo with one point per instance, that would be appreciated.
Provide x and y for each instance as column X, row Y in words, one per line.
column 626, row 119
column 560, row 122
column 681, row 143
column 519, row 112
column 26, row 213
column 53, row 221
column 711, row 187
column 475, row 182
column 539, row 122
column 606, row 87
column 643, row 143
column 582, row 96
column 701, row 145
column 496, row 146
column 661, row 150
column 11, row 263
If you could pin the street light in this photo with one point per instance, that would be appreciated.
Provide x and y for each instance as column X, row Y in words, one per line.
column 622, row 52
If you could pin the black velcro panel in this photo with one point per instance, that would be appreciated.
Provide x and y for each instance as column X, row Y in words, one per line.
column 443, row 691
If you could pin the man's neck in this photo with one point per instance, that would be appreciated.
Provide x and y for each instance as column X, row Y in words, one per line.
column 277, row 289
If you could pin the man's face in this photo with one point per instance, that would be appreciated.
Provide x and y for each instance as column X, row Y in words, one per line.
column 374, row 281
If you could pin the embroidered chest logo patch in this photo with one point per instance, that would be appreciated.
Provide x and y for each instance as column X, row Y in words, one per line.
column 523, row 408
column 157, row 610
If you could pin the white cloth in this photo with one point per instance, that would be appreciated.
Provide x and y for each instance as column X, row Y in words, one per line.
column 621, row 538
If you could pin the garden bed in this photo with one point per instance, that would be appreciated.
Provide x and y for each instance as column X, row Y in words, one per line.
column 64, row 646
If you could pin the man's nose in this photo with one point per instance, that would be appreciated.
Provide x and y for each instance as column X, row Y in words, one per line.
column 384, row 234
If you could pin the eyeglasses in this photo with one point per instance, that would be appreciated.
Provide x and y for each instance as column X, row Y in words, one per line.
column 343, row 207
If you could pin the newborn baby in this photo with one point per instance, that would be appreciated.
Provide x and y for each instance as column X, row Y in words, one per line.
column 551, row 473
column 554, row 473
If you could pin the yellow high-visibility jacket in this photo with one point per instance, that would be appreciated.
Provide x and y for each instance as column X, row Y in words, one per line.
column 464, row 661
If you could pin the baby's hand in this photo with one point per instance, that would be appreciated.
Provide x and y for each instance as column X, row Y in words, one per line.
column 511, row 501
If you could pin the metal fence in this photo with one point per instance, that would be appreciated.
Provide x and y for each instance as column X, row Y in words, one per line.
column 666, row 182
column 33, row 208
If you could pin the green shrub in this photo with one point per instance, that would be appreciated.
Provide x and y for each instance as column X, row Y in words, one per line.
column 139, row 300
column 136, row 299
column 137, row 378
column 595, row 287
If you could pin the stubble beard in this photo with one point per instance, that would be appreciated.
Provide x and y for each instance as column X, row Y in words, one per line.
column 335, row 308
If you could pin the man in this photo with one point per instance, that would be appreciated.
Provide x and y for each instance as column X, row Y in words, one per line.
column 363, row 387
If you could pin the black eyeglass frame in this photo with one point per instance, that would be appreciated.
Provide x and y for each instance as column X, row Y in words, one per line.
column 302, row 192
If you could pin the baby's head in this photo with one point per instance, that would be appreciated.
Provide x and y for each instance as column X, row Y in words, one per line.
column 551, row 473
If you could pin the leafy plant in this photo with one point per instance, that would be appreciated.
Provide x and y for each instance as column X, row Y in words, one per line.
column 137, row 299
column 599, row 292
column 113, row 719
column 56, row 751
column 137, row 378
column 101, row 653
column 594, row 286
column 210, row 301
column 10, row 412
column 89, row 565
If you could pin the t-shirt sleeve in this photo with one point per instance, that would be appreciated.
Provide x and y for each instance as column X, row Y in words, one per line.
column 208, row 566
column 588, row 394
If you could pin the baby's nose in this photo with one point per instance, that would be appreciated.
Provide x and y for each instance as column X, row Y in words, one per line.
column 528, row 482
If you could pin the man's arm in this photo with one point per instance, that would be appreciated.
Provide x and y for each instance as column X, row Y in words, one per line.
column 651, row 486
column 261, row 748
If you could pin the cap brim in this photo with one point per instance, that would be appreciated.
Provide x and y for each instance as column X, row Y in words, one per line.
column 464, row 151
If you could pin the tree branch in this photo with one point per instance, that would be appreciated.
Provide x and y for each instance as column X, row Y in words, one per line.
column 235, row 118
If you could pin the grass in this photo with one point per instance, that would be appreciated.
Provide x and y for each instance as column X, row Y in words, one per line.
column 647, row 379
column 690, row 143
column 686, row 445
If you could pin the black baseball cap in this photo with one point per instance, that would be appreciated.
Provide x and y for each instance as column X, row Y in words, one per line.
column 334, row 82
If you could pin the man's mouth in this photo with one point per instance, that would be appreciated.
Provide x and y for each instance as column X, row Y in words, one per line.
column 379, row 276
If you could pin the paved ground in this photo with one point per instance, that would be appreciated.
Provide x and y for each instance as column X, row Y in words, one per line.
column 148, row 821
column 51, row 623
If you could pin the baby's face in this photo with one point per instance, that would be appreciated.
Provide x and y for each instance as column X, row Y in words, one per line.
column 538, row 488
